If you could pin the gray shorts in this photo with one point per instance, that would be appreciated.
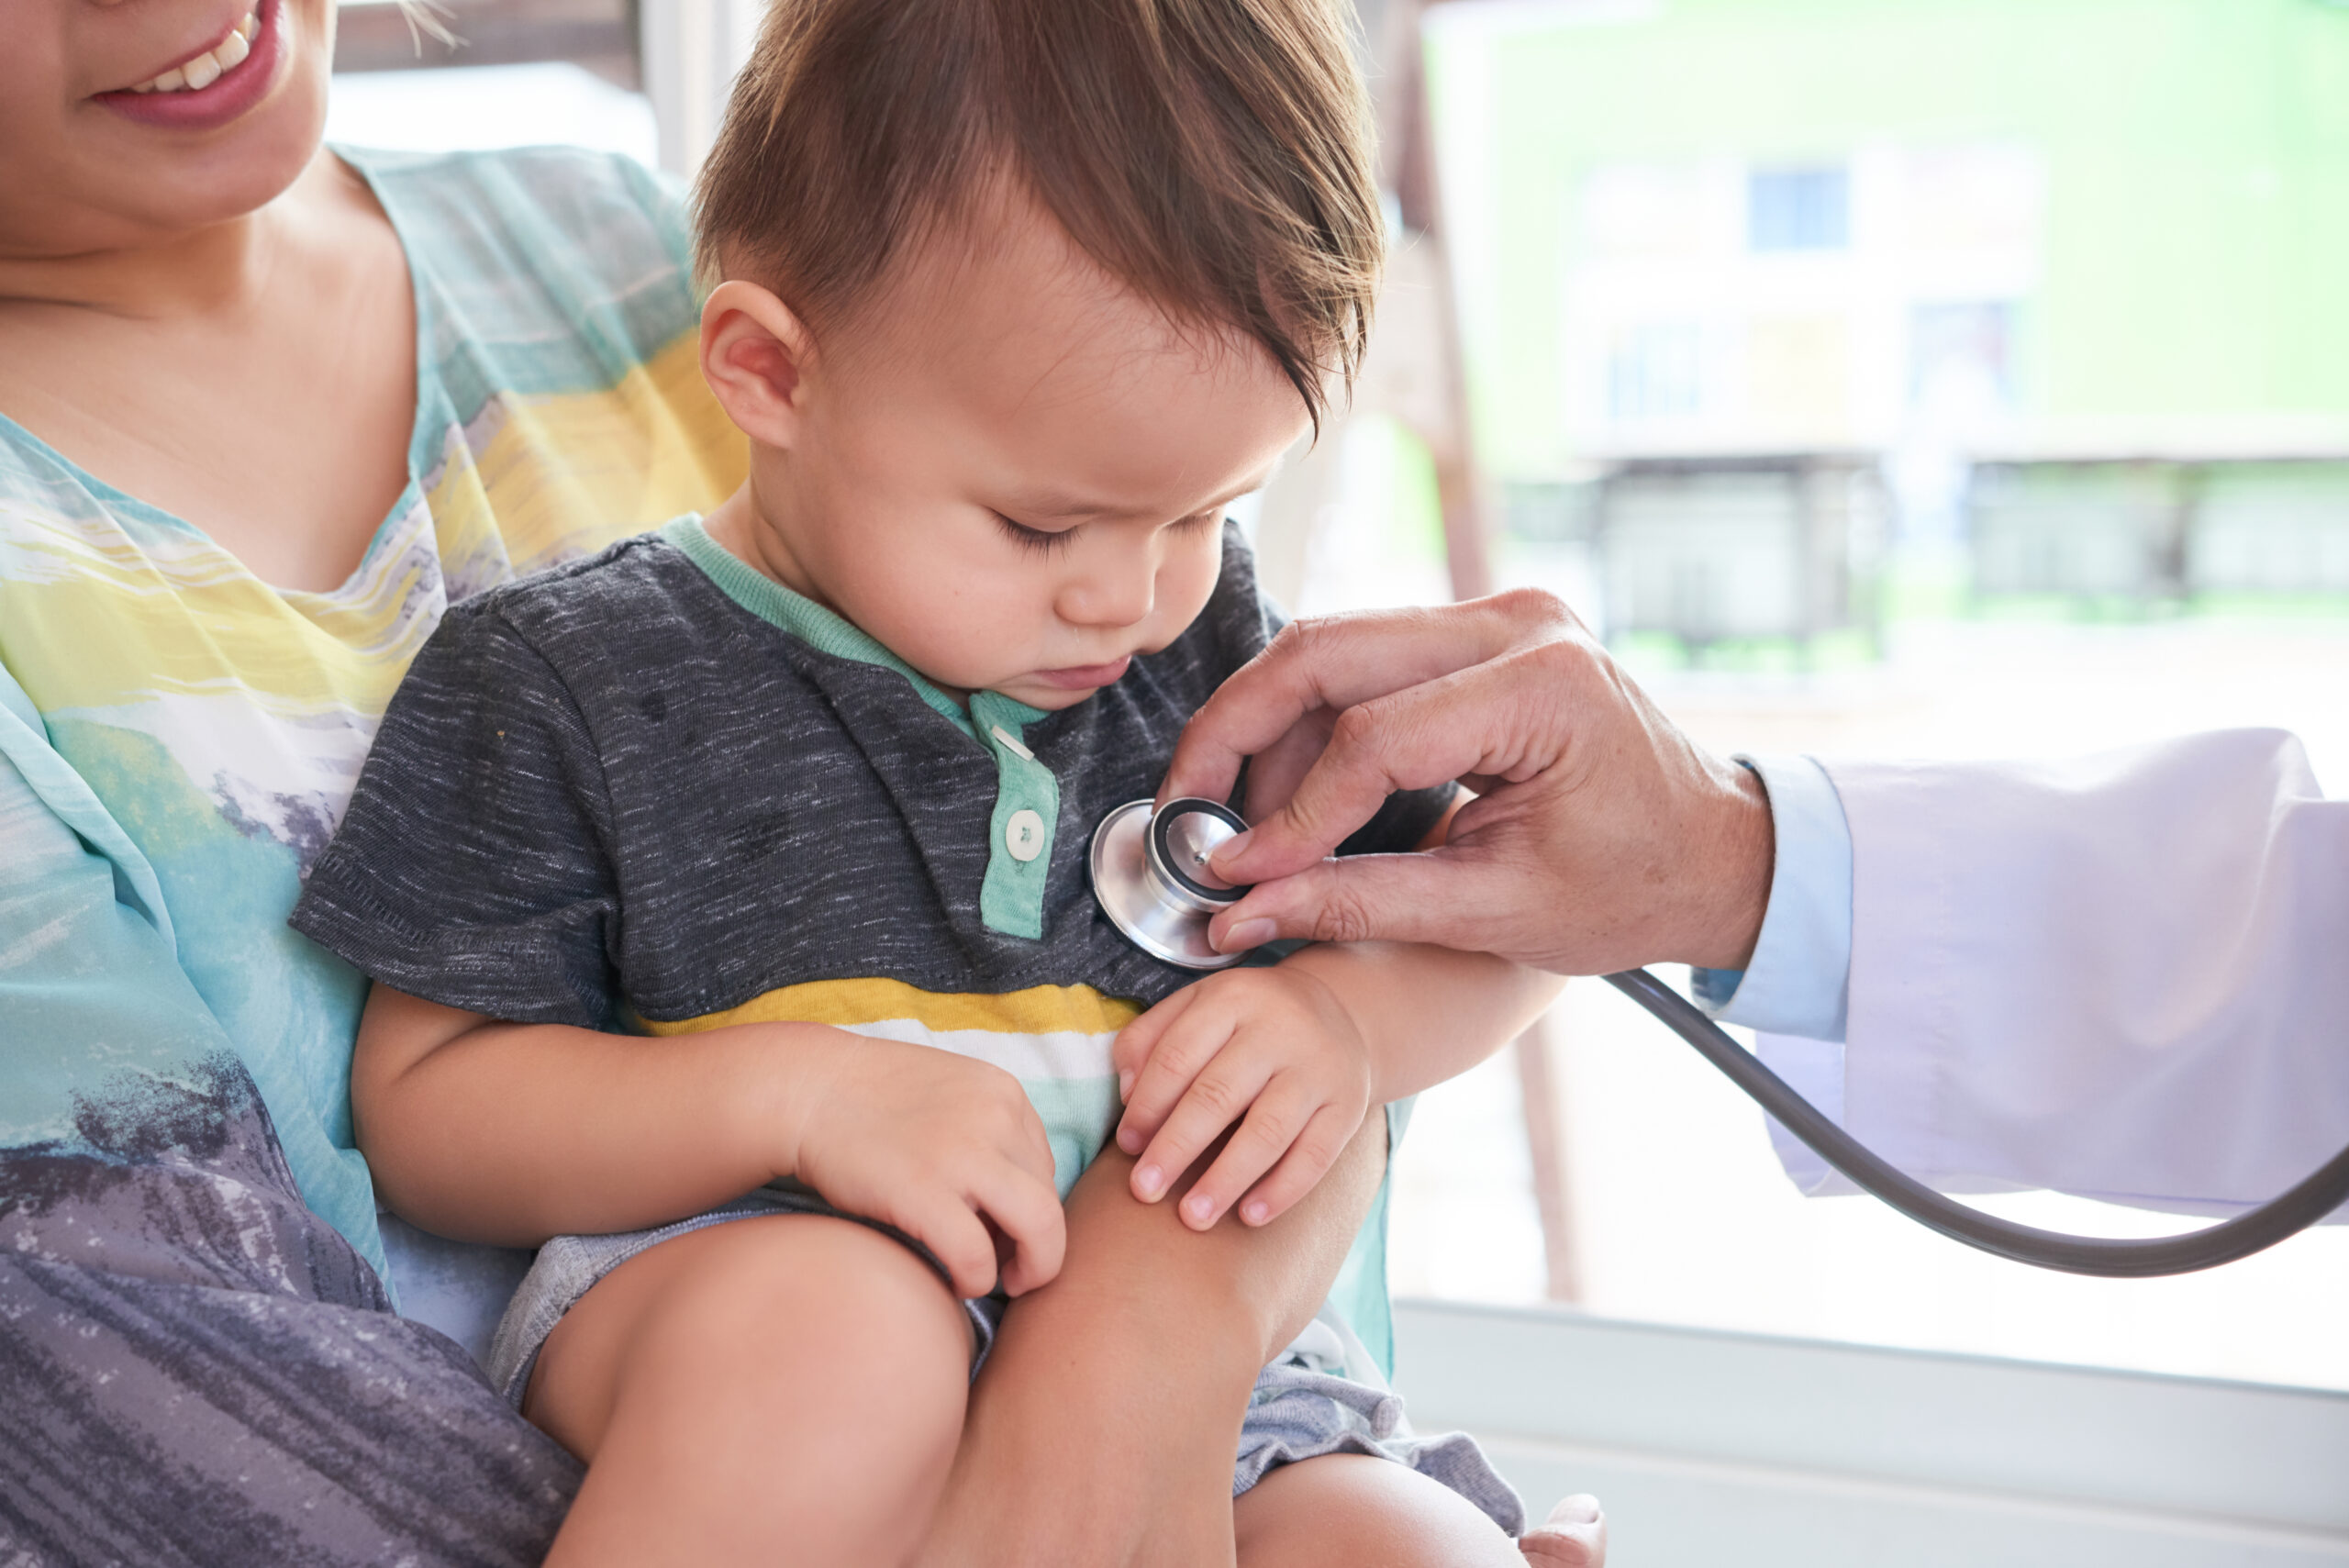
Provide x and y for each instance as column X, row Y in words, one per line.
column 1323, row 1394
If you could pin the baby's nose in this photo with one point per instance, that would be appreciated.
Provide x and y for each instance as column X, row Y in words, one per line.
column 1120, row 600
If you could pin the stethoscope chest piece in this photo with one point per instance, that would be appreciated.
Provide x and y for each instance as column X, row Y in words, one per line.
column 1151, row 877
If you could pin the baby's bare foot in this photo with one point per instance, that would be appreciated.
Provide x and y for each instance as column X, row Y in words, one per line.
column 1575, row 1536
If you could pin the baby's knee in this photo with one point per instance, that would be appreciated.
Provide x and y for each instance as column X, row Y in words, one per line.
column 869, row 1298
column 811, row 1318
column 1351, row 1510
column 862, row 1295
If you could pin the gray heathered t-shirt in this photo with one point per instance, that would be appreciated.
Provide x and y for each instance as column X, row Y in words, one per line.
column 654, row 790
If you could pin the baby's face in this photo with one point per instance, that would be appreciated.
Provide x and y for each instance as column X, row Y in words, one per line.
column 1015, row 481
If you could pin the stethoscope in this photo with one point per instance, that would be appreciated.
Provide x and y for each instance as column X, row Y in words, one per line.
column 1152, row 879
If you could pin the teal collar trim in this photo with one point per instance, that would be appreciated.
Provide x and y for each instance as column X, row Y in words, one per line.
column 1027, row 809
column 803, row 618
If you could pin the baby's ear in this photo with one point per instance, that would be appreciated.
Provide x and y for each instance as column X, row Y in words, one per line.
column 755, row 353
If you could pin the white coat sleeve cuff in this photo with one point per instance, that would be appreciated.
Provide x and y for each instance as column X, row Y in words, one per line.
column 1799, row 974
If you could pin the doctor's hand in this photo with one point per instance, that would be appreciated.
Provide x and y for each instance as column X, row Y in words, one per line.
column 1601, row 838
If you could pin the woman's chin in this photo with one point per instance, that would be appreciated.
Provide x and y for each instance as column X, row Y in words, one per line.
column 181, row 161
column 162, row 189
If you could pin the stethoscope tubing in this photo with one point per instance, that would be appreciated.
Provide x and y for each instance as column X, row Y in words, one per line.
column 2250, row 1231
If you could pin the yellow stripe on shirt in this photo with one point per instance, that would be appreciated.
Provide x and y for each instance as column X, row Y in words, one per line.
column 1039, row 1010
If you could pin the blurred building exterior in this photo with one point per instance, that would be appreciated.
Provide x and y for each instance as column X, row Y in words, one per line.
column 2056, row 288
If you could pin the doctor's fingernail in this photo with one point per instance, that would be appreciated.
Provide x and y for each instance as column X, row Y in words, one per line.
column 1150, row 1180
column 1246, row 934
column 1229, row 852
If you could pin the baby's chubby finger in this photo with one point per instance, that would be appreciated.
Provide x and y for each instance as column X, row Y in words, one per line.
column 1280, row 1112
column 1029, row 1146
column 1216, row 1099
column 1177, row 1057
column 1131, row 1051
column 1311, row 1155
column 1029, row 1215
column 957, row 1240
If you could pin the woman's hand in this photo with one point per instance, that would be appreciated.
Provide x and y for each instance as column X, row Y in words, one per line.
column 1601, row 838
column 1275, row 1050
column 941, row 1147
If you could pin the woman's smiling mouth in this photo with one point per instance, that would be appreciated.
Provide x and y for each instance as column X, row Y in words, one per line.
column 216, row 85
column 200, row 70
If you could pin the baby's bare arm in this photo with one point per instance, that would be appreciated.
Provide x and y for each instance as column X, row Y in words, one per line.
column 1427, row 1013
column 1293, row 1057
column 1102, row 1428
column 511, row 1133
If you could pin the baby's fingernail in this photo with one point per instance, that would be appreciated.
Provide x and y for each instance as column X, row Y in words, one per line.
column 1125, row 1090
column 1254, row 1213
column 1247, row 934
column 1130, row 1140
column 1150, row 1180
column 1200, row 1206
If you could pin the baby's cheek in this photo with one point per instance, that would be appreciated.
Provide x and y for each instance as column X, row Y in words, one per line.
column 1187, row 578
column 953, row 626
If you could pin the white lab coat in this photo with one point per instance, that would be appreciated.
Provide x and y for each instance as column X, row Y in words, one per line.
column 2125, row 976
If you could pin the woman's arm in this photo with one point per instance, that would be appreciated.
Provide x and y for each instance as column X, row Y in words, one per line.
column 152, row 1220
column 1102, row 1431
column 511, row 1133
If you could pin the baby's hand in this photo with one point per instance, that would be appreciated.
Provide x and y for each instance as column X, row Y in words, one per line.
column 943, row 1148
column 1276, row 1044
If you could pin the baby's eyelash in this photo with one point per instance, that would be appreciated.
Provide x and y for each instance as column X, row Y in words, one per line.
column 1036, row 539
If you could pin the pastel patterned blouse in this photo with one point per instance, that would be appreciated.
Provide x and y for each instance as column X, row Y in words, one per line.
column 178, row 737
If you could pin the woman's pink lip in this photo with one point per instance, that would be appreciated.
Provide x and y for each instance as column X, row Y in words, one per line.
column 238, row 89
column 1078, row 677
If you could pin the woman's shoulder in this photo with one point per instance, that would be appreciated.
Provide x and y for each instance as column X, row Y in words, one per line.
column 577, row 187
column 521, row 240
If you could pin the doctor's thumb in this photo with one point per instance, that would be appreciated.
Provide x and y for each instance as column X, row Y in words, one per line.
column 1405, row 899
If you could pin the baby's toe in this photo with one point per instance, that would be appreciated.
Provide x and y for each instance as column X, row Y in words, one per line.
column 1574, row 1536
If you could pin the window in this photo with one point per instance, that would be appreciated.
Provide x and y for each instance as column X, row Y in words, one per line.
column 1657, row 371
column 1799, row 209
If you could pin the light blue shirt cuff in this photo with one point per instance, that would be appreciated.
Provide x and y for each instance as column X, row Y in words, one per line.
column 1799, row 977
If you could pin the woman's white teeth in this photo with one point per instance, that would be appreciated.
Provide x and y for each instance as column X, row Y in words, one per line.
column 195, row 75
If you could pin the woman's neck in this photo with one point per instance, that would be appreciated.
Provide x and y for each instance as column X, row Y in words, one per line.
column 220, row 268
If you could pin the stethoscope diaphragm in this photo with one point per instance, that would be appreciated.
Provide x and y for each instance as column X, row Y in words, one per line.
column 1151, row 877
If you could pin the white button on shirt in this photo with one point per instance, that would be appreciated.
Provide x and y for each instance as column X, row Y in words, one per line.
column 1023, row 834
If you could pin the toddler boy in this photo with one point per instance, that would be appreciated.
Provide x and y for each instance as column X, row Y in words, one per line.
column 1014, row 298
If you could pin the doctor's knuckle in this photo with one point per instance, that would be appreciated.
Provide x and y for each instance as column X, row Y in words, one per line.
column 1344, row 915
column 1359, row 733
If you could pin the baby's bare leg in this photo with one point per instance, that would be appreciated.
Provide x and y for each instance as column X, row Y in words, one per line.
column 788, row 1388
column 1351, row 1510
column 1103, row 1429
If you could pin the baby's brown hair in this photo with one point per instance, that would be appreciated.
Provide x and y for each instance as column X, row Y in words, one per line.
column 1212, row 155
